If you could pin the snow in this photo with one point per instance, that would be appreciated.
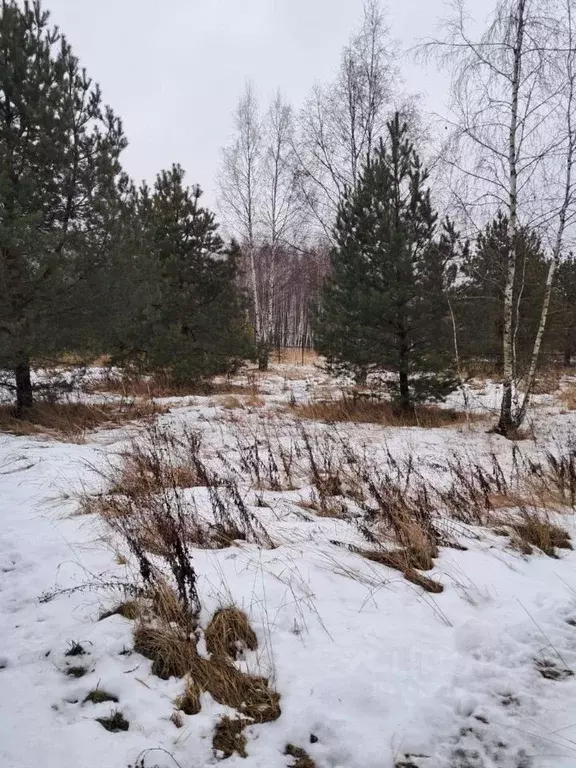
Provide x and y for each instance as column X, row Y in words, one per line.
column 368, row 664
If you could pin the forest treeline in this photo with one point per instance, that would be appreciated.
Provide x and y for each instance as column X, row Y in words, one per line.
column 401, row 249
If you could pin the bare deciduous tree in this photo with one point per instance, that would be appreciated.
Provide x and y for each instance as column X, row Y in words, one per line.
column 259, row 199
column 340, row 121
column 282, row 216
column 508, row 132
column 240, row 190
column 564, row 213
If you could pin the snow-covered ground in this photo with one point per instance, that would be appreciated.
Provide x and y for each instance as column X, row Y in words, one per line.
column 372, row 671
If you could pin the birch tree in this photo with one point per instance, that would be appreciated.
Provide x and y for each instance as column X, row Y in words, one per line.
column 282, row 216
column 259, row 199
column 341, row 121
column 563, row 217
column 505, row 137
column 240, row 195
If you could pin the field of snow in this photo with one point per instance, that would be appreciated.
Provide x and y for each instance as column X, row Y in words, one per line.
column 372, row 671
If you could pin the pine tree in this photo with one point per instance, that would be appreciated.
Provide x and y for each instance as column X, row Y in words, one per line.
column 562, row 327
column 384, row 308
column 191, row 323
column 59, row 168
column 480, row 296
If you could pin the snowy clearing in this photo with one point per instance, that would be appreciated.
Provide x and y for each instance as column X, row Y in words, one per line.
column 372, row 670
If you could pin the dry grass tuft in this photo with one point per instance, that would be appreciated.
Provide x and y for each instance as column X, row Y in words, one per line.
column 172, row 651
column 403, row 561
column 130, row 609
column 506, row 499
column 189, row 701
column 295, row 356
column 301, row 758
column 231, row 403
column 415, row 535
column 374, row 411
column 115, row 723
column 568, row 398
column 250, row 695
column 325, row 507
column 70, row 422
column 99, row 696
column 234, row 402
column 535, row 530
column 547, row 381
column 144, row 472
column 95, row 504
column 229, row 738
column 149, row 509
column 481, row 370
column 229, row 633
column 168, row 606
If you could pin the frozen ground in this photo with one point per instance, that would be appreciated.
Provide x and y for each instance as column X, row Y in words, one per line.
column 372, row 671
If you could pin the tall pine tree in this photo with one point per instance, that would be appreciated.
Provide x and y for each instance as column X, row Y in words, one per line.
column 384, row 309
column 59, row 171
column 187, row 317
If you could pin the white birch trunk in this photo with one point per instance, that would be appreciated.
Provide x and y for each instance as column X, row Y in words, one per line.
column 506, row 421
column 562, row 216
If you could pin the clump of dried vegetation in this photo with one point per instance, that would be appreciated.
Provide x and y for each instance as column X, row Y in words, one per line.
column 149, row 504
column 133, row 384
column 114, row 723
column 172, row 648
column 301, row 758
column 268, row 457
column 295, row 356
column 229, row 633
column 229, row 737
column 99, row 696
column 167, row 632
column 398, row 517
column 533, row 528
column 402, row 516
column 159, row 522
column 521, row 501
column 373, row 410
column 71, row 421
column 548, row 381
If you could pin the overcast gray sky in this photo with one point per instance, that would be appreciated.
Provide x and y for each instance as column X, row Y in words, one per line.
column 174, row 69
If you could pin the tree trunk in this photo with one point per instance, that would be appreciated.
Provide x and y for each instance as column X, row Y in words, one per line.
column 506, row 422
column 531, row 378
column 567, row 356
column 24, row 396
column 263, row 355
column 361, row 376
column 404, row 391
column 562, row 217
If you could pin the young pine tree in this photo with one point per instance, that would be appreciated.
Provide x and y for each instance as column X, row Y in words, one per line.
column 562, row 331
column 191, row 323
column 384, row 308
column 480, row 295
column 59, row 169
